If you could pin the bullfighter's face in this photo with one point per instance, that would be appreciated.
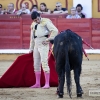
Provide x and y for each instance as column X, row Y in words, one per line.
column 37, row 20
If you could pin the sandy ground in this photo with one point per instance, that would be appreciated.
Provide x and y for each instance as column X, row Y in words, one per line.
column 90, row 78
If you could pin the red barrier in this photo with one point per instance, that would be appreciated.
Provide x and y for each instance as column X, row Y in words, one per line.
column 96, row 33
column 15, row 30
column 10, row 32
column 80, row 26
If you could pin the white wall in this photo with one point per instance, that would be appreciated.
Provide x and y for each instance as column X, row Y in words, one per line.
column 87, row 6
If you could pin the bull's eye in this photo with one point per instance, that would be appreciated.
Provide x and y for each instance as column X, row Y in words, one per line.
column 61, row 43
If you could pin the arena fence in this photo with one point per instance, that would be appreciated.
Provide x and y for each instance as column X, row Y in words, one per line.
column 15, row 30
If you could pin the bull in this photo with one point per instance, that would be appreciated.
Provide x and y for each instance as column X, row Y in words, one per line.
column 68, row 55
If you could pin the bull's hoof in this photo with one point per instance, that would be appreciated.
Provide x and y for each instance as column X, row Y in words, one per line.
column 60, row 95
column 79, row 95
column 82, row 92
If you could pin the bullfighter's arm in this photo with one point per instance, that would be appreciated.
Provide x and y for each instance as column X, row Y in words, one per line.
column 53, row 30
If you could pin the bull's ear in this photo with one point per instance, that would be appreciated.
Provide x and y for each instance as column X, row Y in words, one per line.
column 51, row 41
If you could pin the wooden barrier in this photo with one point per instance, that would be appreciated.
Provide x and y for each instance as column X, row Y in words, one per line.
column 10, row 32
column 96, row 33
column 15, row 30
column 80, row 26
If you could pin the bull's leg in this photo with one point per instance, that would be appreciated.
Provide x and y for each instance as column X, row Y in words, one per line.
column 77, row 73
column 60, row 68
column 61, row 76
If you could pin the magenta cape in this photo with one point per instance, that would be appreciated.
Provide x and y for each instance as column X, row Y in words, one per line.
column 21, row 73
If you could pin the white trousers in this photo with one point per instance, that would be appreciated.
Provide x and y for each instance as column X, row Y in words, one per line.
column 41, row 55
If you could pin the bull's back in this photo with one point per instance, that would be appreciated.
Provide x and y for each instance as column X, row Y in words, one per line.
column 75, row 49
column 68, row 43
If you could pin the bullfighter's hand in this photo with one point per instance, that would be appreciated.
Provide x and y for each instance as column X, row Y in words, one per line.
column 30, row 51
column 45, row 42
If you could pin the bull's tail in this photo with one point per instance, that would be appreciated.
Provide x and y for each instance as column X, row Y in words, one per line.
column 68, row 81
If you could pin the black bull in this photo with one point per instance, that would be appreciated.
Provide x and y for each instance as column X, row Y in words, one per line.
column 68, row 56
